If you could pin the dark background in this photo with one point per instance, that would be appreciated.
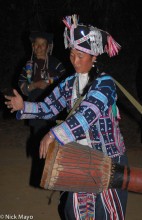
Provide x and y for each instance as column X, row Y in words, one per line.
column 122, row 19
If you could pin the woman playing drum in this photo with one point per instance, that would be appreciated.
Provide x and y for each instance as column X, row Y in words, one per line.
column 93, row 123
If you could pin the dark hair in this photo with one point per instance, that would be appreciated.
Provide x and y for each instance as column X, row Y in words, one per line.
column 44, row 35
column 93, row 74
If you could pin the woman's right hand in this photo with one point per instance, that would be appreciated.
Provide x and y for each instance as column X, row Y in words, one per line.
column 15, row 102
column 44, row 144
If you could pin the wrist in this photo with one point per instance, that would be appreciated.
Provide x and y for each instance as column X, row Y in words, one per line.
column 31, row 87
column 50, row 80
column 47, row 81
column 51, row 136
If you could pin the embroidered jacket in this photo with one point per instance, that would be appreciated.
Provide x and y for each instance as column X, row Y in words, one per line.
column 35, row 71
column 96, row 118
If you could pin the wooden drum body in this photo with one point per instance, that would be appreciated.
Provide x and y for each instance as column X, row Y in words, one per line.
column 78, row 168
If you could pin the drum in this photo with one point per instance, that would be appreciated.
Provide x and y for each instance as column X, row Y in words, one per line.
column 78, row 168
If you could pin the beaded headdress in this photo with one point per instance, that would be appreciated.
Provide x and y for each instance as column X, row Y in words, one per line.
column 88, row 39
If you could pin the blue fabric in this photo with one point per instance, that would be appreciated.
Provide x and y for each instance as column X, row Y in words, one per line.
column 94, row 114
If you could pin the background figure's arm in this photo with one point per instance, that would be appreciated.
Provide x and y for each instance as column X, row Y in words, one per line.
column 26, row 85
column 23, row 83
column 25, row 80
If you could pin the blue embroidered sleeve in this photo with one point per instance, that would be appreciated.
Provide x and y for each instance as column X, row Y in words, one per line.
column 100, row 97
column 52, row 106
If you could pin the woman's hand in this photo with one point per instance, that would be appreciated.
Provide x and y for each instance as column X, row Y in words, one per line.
column 44, row 144
column 15, row 102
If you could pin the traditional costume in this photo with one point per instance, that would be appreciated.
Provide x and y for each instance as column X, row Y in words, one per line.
column 95, row 122
column 49, row 70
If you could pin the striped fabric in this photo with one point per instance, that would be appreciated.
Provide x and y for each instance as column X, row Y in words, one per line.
column 96, row 119
column 95, row 114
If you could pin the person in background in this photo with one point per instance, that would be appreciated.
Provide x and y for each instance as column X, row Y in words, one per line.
column 94, row 123
column 39, row 76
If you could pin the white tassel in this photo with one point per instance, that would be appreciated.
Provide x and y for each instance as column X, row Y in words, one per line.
column 65, row 38
column 75, row 20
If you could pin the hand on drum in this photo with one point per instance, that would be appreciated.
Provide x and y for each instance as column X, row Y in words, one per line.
column 15, row 102
column 44, row 144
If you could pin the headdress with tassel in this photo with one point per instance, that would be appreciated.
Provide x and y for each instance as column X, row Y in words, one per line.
column 88, row 39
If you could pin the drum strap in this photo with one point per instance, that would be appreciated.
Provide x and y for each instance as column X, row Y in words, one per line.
column 135, row 103
column 75, row 106
column 72, row 110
